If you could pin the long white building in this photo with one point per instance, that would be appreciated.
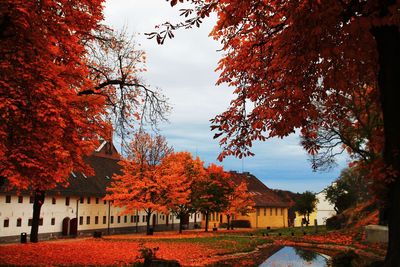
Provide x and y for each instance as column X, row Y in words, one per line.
column 80, row 209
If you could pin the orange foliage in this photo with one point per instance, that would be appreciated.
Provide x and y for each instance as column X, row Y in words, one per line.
column 139, row 185
column 45, row 128
column 99, row 252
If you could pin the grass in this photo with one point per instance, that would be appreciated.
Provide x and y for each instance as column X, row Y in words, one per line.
column 227, row 244
column 297, row 231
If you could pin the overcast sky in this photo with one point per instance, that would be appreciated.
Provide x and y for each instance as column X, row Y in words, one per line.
column 184, row 69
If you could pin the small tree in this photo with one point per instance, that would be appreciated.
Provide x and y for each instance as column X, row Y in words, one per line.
column 211, row 193
column 138, row 187
column 178, row 174
column 347, row 190
column 240, row 202
column 305, row 205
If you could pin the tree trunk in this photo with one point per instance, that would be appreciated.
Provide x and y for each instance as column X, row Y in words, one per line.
column 206, row 226
column 180, row 223
column 228, row 221
column 388, row 45
column 37, row 205
column 148, row 221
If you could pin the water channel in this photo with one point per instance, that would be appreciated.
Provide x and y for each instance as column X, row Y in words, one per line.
column 296, row 257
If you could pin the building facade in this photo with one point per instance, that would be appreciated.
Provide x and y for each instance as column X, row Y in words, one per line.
column 79, row 209
column 269, row 210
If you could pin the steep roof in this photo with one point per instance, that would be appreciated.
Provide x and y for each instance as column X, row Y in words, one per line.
column 104, row 161
column 262, row 195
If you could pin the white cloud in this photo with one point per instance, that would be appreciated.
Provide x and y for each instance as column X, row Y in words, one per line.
column 184, row 69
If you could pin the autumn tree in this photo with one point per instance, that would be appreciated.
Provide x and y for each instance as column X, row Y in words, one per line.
column 138, row 187
column 305, row 204
column 53, row 106
column 240, row 202
column 45, row 127
column 287, row 58
column 211, row 191
column 179, row 172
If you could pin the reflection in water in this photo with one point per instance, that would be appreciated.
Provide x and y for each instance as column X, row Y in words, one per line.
column 295, row 257
column 307, row 255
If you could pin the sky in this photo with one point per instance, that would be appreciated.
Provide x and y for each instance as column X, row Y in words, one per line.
column 184, row 70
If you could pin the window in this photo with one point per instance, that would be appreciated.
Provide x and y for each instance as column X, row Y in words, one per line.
column 80, row 220
column 131, row 218
column 265, row 211
column 8, row 199
column 31, row 199
column 119, row 219
column 88, row 200
column 30, row 222
column 6, row 223
column 19, row 222
column 112, row 219
column 144, row 218
column 276, row 211
column 97, row 200
column 81, row 200
column 67, row 201
column 270, row 211
column 53, row 201
column 280, row 211
column 40, row 221
column 20, row 199
column 104, row 219
column 96, row 220
column 125, row 219
column 53, row 221
column 258, row 211
column 87, row 219
column 105, row 202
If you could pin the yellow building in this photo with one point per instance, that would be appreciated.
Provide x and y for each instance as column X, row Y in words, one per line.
column 269, row 209
column 298, row 219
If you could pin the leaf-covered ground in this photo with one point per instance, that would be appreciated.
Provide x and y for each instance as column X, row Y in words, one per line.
column 192, row 248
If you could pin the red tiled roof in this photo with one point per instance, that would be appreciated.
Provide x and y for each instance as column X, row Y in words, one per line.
column 262, row 195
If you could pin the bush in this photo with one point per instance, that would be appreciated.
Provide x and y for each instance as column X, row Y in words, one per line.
column 241, row 223
column 344, row 259
column 336, row 222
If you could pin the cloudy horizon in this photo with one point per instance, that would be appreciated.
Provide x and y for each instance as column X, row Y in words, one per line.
column 184, row 69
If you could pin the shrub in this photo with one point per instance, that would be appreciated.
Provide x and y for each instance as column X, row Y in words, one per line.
column 241, row 223
column 336, row 222
column 344, row 259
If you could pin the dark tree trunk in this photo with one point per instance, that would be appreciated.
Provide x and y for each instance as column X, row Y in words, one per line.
column 180, row 223
column 388, row 45
column 37, row 205
column 206, row 226
column 228, row 221
column 148, row 221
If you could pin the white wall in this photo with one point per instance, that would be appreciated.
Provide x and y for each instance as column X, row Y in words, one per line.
column 14, row 210
column 325, row 210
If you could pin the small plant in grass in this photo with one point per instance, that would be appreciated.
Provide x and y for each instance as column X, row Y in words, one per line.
column 147, row 254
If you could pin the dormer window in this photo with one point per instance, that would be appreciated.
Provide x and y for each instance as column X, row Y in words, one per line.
column 107, row 177
column 84, row 175
column 73, row 174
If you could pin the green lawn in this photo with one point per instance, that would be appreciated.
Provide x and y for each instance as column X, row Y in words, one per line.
column 310, row 230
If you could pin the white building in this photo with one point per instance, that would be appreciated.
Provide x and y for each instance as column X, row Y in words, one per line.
column 79, row 208
column 324, row 209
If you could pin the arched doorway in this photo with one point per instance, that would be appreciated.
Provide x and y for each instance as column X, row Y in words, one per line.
column 65, row 226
